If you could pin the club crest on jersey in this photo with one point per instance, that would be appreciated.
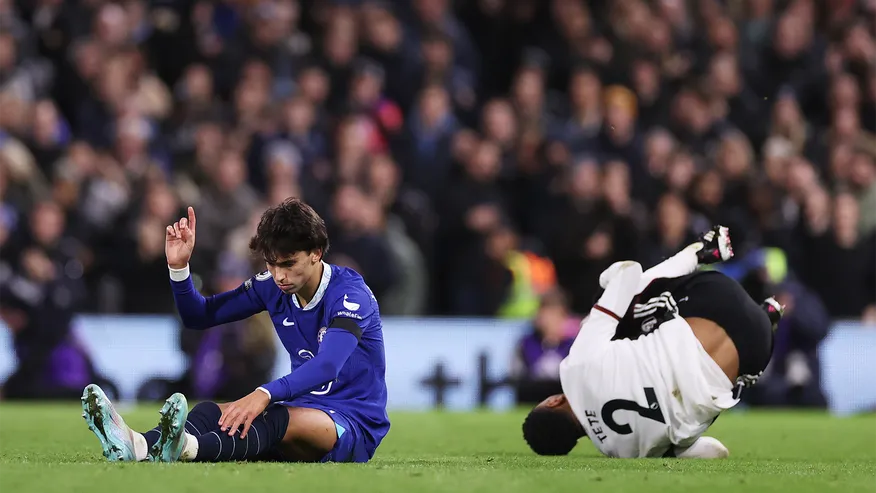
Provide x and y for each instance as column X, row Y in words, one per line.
column 263, row 276
column 320, row 335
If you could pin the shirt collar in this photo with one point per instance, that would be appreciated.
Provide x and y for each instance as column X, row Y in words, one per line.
column 320, row 291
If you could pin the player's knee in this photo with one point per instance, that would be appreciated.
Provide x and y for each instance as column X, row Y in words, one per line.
column 310, row 434
column 312, row 426
column 209, row 409
column 550, row 431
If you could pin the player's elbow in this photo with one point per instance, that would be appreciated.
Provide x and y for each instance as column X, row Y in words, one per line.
column 327, row 368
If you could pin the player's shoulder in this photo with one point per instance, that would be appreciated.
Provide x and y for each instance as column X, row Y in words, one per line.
column 345, row 279
column 262, row 284
column 348, row 288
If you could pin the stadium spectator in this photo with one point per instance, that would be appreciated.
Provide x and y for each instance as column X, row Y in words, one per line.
column 138, row 254
column 359, row 238
column 792, row 379
column 232, row 358
column 536, row 365
column 593, row 131
column 40, row 292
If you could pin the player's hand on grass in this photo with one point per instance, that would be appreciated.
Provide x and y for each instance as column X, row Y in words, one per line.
column 179, row 241
column 242, row 412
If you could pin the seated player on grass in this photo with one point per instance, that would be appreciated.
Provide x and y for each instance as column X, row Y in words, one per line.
column 331, row 407
column 655, row 362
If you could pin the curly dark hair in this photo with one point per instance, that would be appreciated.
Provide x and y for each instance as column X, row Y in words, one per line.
column 287, row 228
column 550, row 431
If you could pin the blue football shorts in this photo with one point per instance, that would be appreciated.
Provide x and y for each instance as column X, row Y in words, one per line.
column 350, row 446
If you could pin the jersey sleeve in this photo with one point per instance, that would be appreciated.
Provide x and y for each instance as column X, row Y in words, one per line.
column 349, row 316
column 336, row 347
column 200, row 312
column 601, row 324
column 352, row 311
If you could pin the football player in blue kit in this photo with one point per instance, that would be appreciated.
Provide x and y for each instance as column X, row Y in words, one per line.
column 331, row 407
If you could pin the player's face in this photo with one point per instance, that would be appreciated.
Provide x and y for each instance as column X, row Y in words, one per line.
column 293, row 272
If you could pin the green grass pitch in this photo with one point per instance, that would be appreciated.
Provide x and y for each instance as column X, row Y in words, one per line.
column 47, row 448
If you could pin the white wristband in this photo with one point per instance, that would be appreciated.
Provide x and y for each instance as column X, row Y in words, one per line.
column 266, row 392
column 179, row 275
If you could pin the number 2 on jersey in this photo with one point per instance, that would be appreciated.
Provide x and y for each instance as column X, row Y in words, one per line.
column 652, row 411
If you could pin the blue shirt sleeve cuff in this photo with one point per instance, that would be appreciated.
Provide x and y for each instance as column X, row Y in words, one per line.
column 276, row 390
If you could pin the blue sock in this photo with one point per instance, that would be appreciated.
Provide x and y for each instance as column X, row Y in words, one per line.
column 203, row 418
column 266, row 432
column 152, row 437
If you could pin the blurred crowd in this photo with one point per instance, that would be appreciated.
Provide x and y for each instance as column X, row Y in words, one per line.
column 468, row 156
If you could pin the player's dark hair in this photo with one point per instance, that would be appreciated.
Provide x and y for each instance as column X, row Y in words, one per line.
column 551, row 431
column 287, row 228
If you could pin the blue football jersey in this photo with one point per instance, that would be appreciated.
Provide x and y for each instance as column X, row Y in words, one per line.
column 359, row 392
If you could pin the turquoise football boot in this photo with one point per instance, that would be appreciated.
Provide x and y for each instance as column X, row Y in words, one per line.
column 172, row 426
column 115, row 437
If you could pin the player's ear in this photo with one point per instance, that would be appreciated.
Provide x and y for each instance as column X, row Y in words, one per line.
column 555, row 400
column 315, row 256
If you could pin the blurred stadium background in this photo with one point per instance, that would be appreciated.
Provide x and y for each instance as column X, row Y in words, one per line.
column 479, row 162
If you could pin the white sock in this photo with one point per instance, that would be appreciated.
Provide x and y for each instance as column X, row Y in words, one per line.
column 190, row 448
column 704, row 448
column 141, row 449
column 680, row 264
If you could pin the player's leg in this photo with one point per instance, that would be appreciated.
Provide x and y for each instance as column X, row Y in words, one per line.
column 120, row 442
column 711, row 247
column 294, row 434
column 310, row 435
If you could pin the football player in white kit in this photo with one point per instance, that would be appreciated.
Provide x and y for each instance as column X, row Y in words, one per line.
column 660, row 356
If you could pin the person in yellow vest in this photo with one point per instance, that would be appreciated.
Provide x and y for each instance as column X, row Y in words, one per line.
column 531, row 275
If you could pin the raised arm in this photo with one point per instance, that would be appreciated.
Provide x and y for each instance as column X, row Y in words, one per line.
column 195, row 310
column 680, row 264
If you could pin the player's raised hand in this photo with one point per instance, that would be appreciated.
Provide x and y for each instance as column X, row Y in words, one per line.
column 242, row 412
column 179, row 241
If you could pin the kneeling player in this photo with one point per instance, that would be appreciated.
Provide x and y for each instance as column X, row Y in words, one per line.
column 331, row 407
column 648, row 380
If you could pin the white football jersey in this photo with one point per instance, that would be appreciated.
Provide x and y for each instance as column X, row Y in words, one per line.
column 638, row 398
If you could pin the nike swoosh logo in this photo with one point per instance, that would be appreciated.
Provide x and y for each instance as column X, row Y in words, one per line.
column 287, row 323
